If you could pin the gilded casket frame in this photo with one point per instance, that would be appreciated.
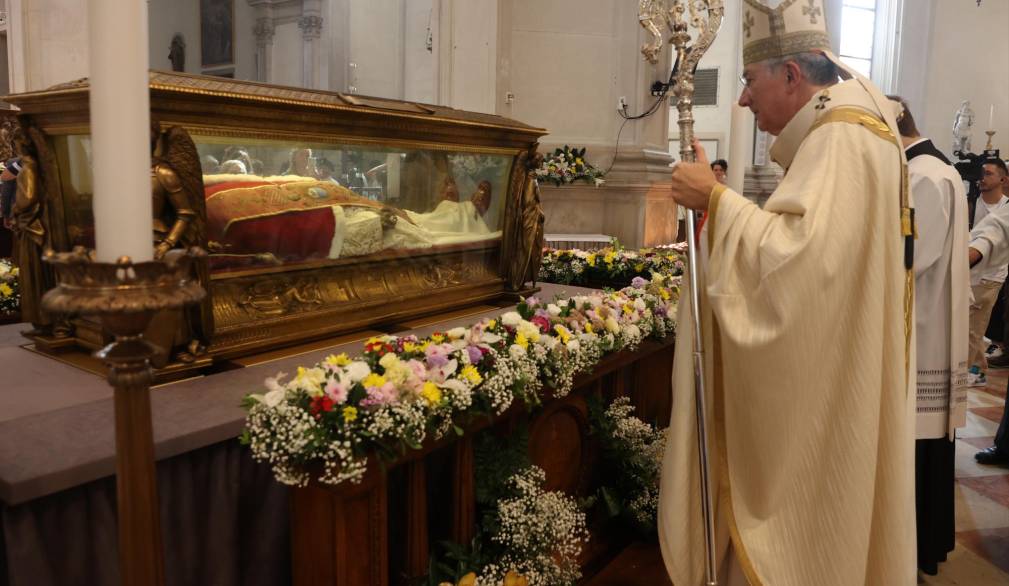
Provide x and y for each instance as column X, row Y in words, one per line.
column 269, row 307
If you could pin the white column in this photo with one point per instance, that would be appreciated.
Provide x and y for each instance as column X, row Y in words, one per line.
column 120, row 129
column 311, row 32
column 740, row 146
column 263, row 31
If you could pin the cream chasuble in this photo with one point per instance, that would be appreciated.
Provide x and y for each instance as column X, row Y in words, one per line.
column 805, row 343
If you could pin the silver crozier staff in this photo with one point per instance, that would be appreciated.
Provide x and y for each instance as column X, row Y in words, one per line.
column 705, row 18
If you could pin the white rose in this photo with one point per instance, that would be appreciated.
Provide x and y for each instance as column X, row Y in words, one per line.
column 553, row 310
column 489, row 338
column 574, row 346
column 357, row 370
column 274, row 398
column 511, row 318
column 516, row 351
column 456, row 333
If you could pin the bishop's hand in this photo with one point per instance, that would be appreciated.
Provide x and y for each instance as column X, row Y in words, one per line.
column 692, row 182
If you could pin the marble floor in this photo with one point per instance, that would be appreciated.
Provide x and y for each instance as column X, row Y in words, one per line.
column 981, row 556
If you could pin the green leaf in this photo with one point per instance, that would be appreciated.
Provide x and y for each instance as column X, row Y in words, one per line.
column 611, row 502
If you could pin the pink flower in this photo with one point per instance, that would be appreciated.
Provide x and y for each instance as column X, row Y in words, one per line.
column 337, row 391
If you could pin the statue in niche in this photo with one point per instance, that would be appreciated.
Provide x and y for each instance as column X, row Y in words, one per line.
column 179, row 222
column 963, row 124
column 177, row 53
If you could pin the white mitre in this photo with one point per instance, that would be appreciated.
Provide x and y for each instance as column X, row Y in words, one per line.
column 792, row 27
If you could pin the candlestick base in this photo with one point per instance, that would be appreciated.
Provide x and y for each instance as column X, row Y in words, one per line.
column 125, row 296
column 991, row 134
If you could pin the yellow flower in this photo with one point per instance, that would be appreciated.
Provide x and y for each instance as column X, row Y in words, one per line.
column 437, row 338
column 431, row 393
column 522, row 341
column 591, row 259
column 563, row 332
column 471, row 374
column 639, row 267
column 588, row 328
column 424, row 345
column 513, row 578
column 409, row 347
column 6, row 290
column 15, row 271
column 340, row 359
column 491, row 324
column 628, row 309
column 373, row 340
column 610, row 256
column 664, row 293
column 373, row 380
column 468, row 580
column 349, row 414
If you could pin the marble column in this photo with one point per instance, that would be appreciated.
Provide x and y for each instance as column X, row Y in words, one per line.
column 263, row 31
column 311, row 33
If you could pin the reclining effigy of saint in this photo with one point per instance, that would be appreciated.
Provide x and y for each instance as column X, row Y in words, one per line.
column 295, row 218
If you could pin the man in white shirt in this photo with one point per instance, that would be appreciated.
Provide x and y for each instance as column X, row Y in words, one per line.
column 989, row 247
column 986, row 279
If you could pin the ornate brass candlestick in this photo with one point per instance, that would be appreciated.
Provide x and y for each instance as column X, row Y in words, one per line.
column 991, row 135
column 126, row 296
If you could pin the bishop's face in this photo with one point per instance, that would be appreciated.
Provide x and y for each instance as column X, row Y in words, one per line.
column 765, row 91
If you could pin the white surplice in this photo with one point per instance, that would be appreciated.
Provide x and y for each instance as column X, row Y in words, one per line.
column 942, row 295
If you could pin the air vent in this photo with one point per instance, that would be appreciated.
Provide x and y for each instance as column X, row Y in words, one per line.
column 706, row 87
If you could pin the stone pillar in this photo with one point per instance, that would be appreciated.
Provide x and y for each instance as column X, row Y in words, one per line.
column 311, row 33
column 263, row 31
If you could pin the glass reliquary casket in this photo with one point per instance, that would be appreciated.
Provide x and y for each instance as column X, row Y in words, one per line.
column 320, row 212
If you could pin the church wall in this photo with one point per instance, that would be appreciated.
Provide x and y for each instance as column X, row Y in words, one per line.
column 167, row 18
column 566, row 66
column 965, row 60
column 287, row 54
column 55, row 42
column 468, row 54
column 420, row 82
column 376, row 47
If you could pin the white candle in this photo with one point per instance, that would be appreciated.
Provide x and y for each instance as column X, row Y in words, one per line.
column 120, row 129
column 991, row 117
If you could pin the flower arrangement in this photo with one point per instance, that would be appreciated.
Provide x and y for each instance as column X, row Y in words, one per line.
column 568, row 165
column 335, row 414
column 541, row 533
column 529, row 536
column 611, row 265
column 632, row 463
column 10, row 290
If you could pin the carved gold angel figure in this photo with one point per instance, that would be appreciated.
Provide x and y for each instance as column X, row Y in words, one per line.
column 525, row 265
column 31, row 238
column 179, row 222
